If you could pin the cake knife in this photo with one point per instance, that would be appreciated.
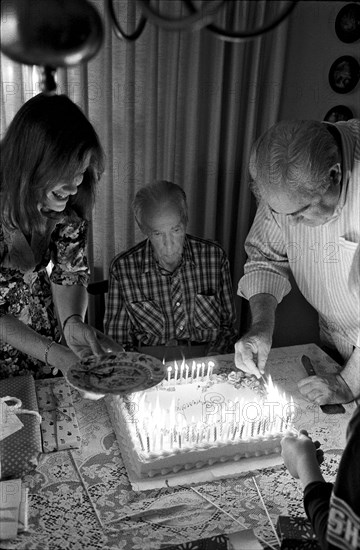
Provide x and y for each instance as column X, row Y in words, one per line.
column 335, row 408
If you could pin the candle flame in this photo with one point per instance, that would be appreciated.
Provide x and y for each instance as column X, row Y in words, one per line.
column 223, row 422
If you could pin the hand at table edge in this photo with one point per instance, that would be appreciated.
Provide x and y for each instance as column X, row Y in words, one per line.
column 302, row 457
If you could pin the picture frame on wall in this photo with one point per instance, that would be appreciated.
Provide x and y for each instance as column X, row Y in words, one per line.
column 338, row 113
column 344, row 74
column 347, row 23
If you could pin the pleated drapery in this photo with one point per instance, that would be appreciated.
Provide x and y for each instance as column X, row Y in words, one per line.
column 182, row 106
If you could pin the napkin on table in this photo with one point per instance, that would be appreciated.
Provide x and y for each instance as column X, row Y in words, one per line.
column 13, row 508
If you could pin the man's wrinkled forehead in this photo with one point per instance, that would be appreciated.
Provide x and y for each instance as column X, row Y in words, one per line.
column 162, row 216
column 280, row 201
column 160, row 208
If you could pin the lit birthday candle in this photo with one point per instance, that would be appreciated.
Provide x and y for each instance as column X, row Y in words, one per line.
column 182, row 370
column 199, row 432
column 172, row 422
column 176, row 371
column 234, row 432
column 215, row 433
column 169, row 369
column 154, row 438
column 209, row 370
column 211, row 366
column 140, row 439
column 241, row 431
column 228, row 431
column 193, row 370
column 193, row 429
column 198, row 367
column 186, row 373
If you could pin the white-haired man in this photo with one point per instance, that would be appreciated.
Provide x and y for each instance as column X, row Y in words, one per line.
column 170, row 295
column 306, row 176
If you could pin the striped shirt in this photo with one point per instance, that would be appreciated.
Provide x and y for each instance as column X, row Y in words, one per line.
column 319, row 257
column 149, row 306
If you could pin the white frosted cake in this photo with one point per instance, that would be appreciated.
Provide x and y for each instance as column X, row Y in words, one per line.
column 195, row 418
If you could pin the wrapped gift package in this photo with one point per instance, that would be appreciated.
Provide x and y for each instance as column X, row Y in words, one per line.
column 13, row 508
column 59, row 427
column 240, row 540
column 220, row 542
column 296, row 533
column 20, row 451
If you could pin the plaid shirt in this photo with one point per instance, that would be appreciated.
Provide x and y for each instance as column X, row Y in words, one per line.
column 149, row 306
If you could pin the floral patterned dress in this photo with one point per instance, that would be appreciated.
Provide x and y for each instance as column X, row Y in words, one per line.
column 25, row 283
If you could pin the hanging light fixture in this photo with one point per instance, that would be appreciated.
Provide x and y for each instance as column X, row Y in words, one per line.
column 118, row 30
column 50, row 34
column 196, row 19
column 64, row 33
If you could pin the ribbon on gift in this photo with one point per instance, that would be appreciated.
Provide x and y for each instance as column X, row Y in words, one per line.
column 16, row 407
column 59, row 427
column 20, row 448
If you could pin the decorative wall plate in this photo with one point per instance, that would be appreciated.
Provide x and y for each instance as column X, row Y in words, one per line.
column 344, row 74
column 116, row 373
column 337, row 113
column 347, row 23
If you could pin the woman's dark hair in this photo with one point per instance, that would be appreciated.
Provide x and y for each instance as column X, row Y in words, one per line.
column 47, row 141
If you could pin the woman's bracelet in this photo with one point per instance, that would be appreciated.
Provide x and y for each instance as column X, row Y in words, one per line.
column 47, row 349
column 69, row 317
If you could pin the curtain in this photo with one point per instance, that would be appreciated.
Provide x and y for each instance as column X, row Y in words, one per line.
column 182, row 106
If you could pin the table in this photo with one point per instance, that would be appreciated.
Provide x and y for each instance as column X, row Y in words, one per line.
column 82, row 499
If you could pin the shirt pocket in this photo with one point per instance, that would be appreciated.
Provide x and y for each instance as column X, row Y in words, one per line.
column 147, row 317
column 347, row 251
column 206, row 312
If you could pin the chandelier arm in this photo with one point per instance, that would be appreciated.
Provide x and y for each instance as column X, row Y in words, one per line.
column 195, row 20
column 47, row 82
column 234, row 36
column 117, row 27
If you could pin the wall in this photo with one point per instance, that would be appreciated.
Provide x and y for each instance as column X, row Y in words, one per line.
column 313, row 47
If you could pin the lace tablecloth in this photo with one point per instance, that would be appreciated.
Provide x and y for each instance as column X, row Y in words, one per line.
column 83, row 499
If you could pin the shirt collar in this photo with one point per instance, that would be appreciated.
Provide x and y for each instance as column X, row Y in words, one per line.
column 188, row 254
column 149, row 261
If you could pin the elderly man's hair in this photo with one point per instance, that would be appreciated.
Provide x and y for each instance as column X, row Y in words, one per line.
column 158, row 193
column 296, row 155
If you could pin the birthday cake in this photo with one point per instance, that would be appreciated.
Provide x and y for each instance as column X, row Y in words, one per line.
column 195, row 418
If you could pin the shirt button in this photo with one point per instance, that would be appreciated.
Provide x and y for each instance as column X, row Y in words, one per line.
column 181, row 327
column 178, row 304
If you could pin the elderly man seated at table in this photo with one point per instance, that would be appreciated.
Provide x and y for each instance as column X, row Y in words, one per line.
column 306, row 175
column 170, row 296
